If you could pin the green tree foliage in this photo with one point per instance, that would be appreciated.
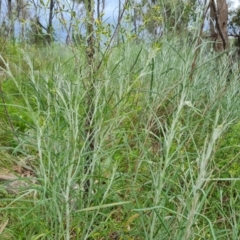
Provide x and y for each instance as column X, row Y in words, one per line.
column 234, row 23
column 146, row 18
column 177, row 14
column 234, row 29
column 35, row 34
column 158, row 17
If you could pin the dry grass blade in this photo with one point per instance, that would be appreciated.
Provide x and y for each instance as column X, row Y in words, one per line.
column 3, row 226
column 7, row 177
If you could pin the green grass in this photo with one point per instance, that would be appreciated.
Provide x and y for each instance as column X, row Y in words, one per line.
column 164, row 163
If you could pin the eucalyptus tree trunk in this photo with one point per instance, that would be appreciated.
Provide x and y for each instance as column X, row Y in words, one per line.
column 0, row 6
column 218, row 24
column 10, row 19
column 98, row 9
column 23, row 14
column 119, row 20
column 50, row 18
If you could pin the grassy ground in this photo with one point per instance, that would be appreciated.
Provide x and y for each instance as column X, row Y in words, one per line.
column 166, row 147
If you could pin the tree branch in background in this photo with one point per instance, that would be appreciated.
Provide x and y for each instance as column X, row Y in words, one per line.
column 114, row 33
column 199, row 40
